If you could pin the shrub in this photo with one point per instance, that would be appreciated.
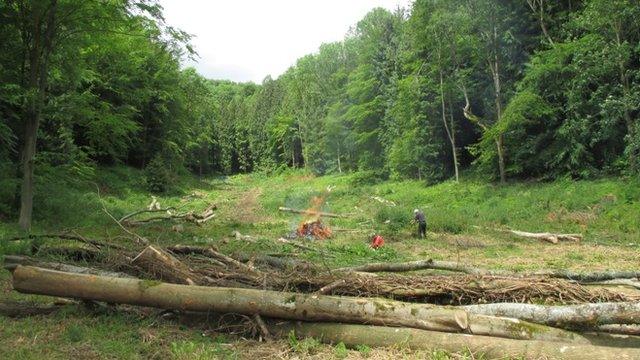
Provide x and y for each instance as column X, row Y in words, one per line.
column 369, row 177
column 157, row 175
column 395, row 218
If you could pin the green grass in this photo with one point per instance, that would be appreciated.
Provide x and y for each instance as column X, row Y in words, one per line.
column 464, row 223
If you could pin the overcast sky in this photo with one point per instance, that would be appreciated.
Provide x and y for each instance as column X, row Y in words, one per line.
column 246, row 40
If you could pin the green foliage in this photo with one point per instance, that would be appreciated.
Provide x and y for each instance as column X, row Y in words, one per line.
column 409, row 94
column 369, row 177
column 306, row 346
column 364, row 350
column 394, row 218
column 340, row 350
column 74, row 333
column 157, row 176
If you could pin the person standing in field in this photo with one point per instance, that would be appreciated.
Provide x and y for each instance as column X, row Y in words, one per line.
column 418, row 216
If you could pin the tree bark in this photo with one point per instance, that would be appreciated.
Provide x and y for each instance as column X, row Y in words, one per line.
column 566, row 316
column 38, row 71
column 489, row 347
column 449, row 129
column 283, row 305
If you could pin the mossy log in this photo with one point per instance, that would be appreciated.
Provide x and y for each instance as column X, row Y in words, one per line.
column 488, row 347
column 273, row 304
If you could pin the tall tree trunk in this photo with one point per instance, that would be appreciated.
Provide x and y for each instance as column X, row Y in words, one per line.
column 38, row 71
column 449, row 129
column 624, row 82
column 538, row 6
column 495, row 72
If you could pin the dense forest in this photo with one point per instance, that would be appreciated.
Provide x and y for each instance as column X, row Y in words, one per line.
column 507, row 89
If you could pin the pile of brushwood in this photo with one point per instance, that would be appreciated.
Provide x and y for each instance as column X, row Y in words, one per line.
column 499, row 314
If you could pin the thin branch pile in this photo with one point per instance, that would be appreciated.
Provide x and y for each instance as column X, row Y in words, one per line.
column 495, row 310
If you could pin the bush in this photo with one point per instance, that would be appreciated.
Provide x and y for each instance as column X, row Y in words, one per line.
column 369, row 177
column 157, row 176
column 396, row 218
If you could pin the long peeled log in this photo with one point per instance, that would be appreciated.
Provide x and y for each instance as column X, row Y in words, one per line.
column 573, row 316
column 586, row 277
column 273, row 304
column 550, row 237
column 311, row 212
column 489, row 347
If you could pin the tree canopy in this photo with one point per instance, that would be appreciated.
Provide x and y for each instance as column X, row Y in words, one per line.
column 511, row 90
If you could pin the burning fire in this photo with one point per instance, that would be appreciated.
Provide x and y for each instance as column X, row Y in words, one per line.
column 311, row 225
column 314, row 228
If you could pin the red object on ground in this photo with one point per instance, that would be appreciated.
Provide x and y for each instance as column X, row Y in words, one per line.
column 377, row 241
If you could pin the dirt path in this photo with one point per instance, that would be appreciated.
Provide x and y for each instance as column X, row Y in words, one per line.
column 247, row 209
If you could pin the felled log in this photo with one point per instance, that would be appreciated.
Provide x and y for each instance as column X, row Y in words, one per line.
column 550, row 237
column 165, row 267
column 571, row 316
column 418, row 265
column 311, row 212
column 467, row 269
column 620, row 329
column 490, row 347
column 11, row 262
column 273, row 304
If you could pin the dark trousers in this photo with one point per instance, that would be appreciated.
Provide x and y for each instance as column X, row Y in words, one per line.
column 422, row 229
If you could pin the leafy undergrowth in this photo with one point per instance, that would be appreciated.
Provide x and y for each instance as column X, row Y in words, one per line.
column 465, row 223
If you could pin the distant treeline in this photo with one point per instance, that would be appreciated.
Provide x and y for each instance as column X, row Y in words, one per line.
column 511, row 89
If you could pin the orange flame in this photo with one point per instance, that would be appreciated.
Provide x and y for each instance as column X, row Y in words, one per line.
column 311, row 225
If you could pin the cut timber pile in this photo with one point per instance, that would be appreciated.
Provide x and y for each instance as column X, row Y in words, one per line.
column 497, row 313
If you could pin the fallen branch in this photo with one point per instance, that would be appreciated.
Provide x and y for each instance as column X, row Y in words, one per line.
column 149, row 210
column 550, row 237
column 311, row 213
column 328, row 288
column 418, row 265
column 197, row 218
column 139, row 238
column 219, row 257
column 264, row 331
column 82, row 239
column 11, row 262
column 274, row 304
column 187, row 249
column 165, row 267
column 489, row 347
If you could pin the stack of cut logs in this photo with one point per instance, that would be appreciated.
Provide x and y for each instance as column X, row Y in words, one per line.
column 495, row 313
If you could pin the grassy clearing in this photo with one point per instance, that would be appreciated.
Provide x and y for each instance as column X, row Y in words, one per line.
column 464, row 224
